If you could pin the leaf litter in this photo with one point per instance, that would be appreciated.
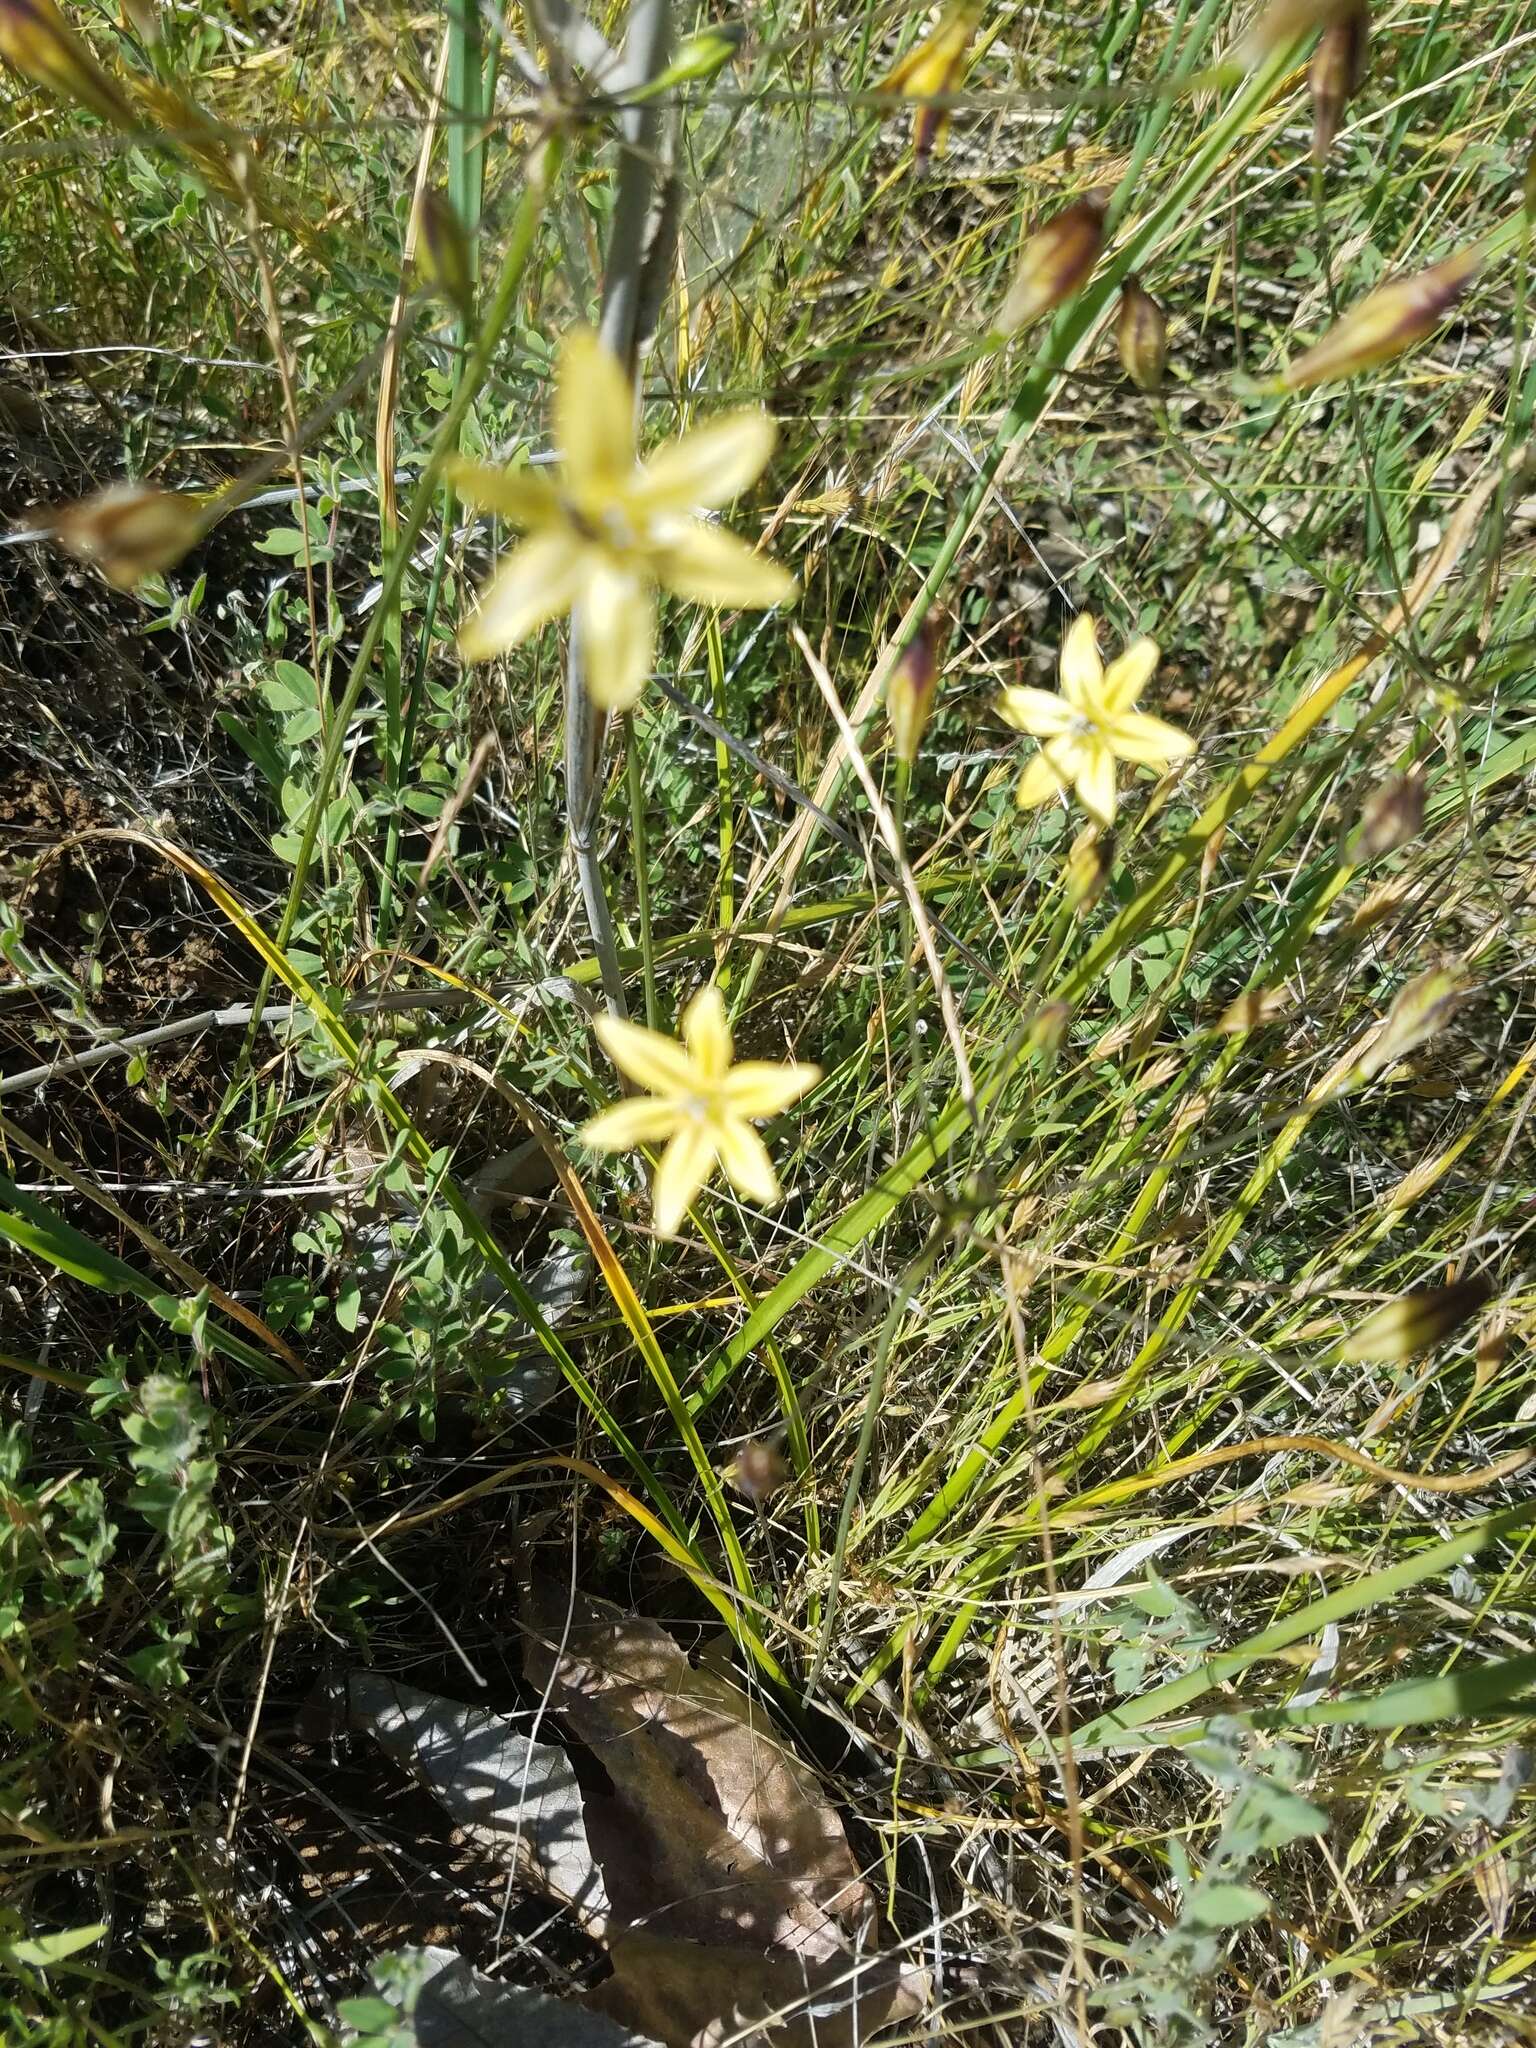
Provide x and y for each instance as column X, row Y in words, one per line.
column 680, row 1829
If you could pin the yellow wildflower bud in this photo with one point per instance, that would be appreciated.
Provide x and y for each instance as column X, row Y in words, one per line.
column 1421, row 1009
column 1055, row 261
column 1338, row 71
column 130, row 531
column 1141, row 336
column 757, row 1472
column 1252, row 1010
column 699, row 58
column 1386, row 321
column 1391, row 817
column 1285, row 22
column 36, row 40
column 443, row 256
column 910, row 693
column 1414, row 1322
column 933, row 68
column 144, row 17
column 1088, row 866
column 1048, row 1028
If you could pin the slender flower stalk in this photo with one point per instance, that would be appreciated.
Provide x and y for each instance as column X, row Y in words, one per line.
column 1092, row 725
column 612, row 529
column 701, row 1103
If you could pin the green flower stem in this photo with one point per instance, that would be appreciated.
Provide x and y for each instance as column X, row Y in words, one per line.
column 646, row 47
column 524, row 231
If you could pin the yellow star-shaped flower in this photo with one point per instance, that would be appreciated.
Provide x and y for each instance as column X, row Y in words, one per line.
column 613, row 528
column 1091, row 726
column 699, row 1102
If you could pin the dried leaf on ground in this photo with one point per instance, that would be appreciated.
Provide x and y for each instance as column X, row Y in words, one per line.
column 703, row 1850
column 694, row 1996
column 710, row 1829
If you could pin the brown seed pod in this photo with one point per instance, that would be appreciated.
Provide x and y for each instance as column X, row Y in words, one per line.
column 910, row 693
column 1414, row 1322
column 1141, row 336
column 1056, row 261
column 1392, row 817
column 1338, row 71
column 1386, row 321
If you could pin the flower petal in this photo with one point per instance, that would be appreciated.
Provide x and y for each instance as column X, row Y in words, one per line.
column 712, row 566
column 764, row 1087
column 1051, row 771
column 616, row 624
column 744, row 1161
column 685, row 1166
column 1041, row 713
column 1082, row 673
column 1136, row 736
column 623, row 1125
column 537, row 581
column 1095, row 780
column 1128, row 675
column 594, row 416
column 649, row 1058
column 710, row 466
column 707, row 1034
column 520, row 496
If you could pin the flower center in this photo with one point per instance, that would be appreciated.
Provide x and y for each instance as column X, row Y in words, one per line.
column 618, row 530
column 605, row 525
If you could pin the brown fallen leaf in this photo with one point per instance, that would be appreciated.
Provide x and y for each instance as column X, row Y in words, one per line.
column 708, row 1828
column 701, row 1849
column 693, row 1996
